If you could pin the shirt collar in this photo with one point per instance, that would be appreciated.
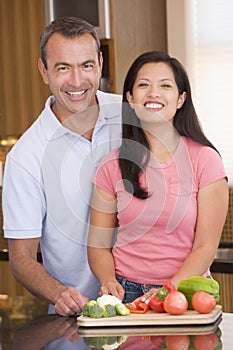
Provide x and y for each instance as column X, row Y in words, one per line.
column 54, row 129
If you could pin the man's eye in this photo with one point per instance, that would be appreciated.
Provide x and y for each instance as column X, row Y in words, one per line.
column 62, row 68
column 88, row 66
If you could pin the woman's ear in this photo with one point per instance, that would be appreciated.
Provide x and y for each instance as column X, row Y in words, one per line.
column 130, row 99
column 181, row 100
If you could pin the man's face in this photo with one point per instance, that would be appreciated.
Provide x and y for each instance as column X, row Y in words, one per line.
column 73, row 73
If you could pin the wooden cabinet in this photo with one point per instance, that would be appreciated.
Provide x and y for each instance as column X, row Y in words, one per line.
column 136, row 26
column 225, row 281
column 8, row 283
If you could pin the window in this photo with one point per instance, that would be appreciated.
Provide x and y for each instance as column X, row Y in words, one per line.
column 206, row 32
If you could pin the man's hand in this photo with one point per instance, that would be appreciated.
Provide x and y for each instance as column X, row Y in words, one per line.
column 70, row 302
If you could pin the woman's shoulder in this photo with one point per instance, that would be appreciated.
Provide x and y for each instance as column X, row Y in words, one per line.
column 196, row 148
column 110, row 160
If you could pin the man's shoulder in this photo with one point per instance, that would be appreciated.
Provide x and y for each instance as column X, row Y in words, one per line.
column 106, row 97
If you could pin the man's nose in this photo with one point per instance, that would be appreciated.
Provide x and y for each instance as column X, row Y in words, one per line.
column 76, row 77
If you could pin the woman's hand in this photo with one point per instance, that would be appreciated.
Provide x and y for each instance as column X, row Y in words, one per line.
column 114, row 288
column 146, row 298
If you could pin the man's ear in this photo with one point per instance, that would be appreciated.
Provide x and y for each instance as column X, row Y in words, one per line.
column 181, row 100
column 101, row 61
column 43, row 71
column 130, row 99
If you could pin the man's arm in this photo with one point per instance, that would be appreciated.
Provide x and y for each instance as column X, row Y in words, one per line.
column 33, row 276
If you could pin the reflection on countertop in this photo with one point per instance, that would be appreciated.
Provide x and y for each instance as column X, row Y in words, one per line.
column 26, row 326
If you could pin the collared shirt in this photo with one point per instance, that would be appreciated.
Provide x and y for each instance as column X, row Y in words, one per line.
column 47, row 189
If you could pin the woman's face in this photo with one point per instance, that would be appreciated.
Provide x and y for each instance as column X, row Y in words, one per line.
column 155, row 96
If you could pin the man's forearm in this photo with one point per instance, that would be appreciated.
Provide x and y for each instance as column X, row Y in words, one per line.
column 33, row 276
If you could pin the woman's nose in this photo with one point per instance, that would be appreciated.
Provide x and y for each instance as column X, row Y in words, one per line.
column 154, row 91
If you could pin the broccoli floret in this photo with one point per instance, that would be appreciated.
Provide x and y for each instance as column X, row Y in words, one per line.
column 96, row 311
column 122, row 310
column 110, row 310
column 121, row 339
column 86, row 308
column 112, row 340
column 96, row 342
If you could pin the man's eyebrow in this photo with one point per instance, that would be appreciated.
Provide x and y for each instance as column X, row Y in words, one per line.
column 61, row 64
column 89, row 61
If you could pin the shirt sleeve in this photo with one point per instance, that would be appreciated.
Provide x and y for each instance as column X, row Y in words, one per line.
column 210, row 167
column 107, row 173
column 23, row 203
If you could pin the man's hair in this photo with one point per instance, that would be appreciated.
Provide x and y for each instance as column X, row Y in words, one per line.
column 69, row 27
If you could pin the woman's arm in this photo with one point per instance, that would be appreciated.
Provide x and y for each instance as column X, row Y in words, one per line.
column 102, row 226
column 212, row 205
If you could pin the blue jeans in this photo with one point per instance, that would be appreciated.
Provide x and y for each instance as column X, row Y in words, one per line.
column 134, row 290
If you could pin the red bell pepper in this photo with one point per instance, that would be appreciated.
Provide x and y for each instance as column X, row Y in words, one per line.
column 156, row 303
column 137, row 307
column 169, row 286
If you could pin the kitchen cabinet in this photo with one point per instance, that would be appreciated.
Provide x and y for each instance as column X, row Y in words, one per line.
column 9, row 285
column 136, row 26
column 225, row 281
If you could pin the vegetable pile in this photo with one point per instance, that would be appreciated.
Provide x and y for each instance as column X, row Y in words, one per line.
column 196, row 292
column 105, row 306
column 105, row 343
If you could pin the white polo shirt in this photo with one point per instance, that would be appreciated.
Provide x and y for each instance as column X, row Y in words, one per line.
column 47, row 189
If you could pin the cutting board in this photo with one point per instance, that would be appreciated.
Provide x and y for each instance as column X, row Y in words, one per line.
column 151, row 318
column 149, row 330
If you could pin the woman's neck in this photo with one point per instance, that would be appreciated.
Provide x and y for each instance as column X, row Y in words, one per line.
column 163, row 143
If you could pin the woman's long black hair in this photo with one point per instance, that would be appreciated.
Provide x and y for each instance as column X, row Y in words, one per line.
column 133, row 160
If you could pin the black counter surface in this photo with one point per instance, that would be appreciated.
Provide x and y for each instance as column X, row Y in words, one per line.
column 26, row 326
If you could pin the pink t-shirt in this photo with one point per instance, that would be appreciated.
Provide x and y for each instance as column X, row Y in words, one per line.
column 156, row 234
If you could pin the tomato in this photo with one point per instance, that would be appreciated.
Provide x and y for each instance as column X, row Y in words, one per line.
column 205, row 341
column 177, row 342
column 175, row 303
column 156, row 304
column 203, row 302
column 137, row 307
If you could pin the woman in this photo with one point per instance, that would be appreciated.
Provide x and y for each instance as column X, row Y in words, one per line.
column 165, row 188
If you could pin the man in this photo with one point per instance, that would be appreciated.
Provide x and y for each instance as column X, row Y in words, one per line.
column 47, row 180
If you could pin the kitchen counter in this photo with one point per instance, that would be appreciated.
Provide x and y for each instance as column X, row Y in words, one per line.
column 25, row 325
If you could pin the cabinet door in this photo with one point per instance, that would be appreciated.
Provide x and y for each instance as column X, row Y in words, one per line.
column 137, row 26
column 225, row 281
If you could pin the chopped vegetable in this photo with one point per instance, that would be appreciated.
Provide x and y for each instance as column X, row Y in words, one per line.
column 137, row 307
column 108, row 299
column 110, row 310
column 96, row 311
column 122, row 310
column 86, row 307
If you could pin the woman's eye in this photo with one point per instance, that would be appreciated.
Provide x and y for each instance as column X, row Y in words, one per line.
column 142, row 84
column 166, row 86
